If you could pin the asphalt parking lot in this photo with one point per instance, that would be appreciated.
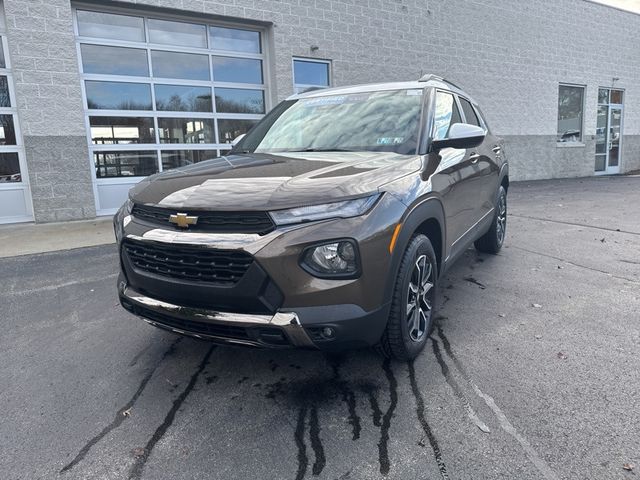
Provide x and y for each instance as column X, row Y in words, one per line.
column 533, row 371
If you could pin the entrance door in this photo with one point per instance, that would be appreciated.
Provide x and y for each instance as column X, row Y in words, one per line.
column 609, row 132
column 15, row 196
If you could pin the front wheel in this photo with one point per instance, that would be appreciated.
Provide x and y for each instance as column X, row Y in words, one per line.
column 413, row 302
column 491, row 242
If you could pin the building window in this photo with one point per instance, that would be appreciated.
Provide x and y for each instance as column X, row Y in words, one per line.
column 310, row 73
column 608, row 96
column 570, row 113
column 162, row 93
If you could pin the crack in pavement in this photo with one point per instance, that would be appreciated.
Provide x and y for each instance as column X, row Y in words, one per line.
column 540, row 464
column 575, row 264
column 575, row 224
column 138, row 467
column 120, row 416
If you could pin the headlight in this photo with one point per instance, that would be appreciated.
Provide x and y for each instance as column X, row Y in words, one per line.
column 120, row 216
column 128, row 206
column 335, row 259
column 345, row 209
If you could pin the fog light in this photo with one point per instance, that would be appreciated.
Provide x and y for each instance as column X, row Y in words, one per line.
column 332, row 259
column 328, row 332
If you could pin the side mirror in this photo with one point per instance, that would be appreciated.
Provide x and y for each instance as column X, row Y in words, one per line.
column 235, row 141
column 461, row 135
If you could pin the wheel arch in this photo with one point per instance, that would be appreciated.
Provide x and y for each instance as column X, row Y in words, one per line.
column 504, row 176
column 426, row 218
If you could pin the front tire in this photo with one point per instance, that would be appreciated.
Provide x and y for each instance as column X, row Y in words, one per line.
column 413, row 303
column 491, row 242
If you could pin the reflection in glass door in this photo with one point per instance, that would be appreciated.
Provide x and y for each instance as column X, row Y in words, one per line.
column 615, row 136
column 609, row 131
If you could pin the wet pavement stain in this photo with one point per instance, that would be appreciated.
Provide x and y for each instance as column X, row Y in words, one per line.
column 383, row 444
column 303, row 460
column 309, row 397
column 446, row 373
column 273, row 365
column 138, row 467
column 420, row 412
column 470, row 279
column 375, row 407
column 316, row 443
column 120, row 415
column 348, row 395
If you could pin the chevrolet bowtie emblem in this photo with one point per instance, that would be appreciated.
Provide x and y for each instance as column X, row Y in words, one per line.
column 183, row 220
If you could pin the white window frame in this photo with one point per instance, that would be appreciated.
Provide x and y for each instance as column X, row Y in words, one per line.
column 581, row 142
column 152, row 81
column 23, row 185
column 300, row 87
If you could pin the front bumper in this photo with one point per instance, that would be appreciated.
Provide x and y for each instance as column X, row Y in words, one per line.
column 293, row 306
column 279, row 330
column 352, row 327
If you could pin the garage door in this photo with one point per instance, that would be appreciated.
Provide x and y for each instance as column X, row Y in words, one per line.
column 15, row 196
column 161, row 93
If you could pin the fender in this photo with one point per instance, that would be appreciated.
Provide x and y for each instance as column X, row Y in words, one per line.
column 431, row 208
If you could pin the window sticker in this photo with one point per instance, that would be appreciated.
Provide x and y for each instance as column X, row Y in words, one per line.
column 390, row 140
column 335, row 100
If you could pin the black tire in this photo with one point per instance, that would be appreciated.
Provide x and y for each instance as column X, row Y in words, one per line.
column 491, row 242
column 400, row 340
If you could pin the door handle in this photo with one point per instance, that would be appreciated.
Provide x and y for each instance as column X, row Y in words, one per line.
column 497, row 149
column 474, row 157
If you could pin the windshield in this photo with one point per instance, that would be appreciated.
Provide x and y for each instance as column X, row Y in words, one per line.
column 371, row 121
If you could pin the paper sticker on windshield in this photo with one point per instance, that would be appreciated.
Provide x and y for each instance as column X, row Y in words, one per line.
column 414, row 92
column 390, row 140
column 335, row 100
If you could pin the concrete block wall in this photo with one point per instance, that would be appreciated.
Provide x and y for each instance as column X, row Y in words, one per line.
column 43, row 53
column 510, row 56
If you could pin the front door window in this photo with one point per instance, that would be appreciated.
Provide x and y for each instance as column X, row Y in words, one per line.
column 609, row 131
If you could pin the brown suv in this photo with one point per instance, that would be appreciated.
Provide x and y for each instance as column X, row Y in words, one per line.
column 327, row 226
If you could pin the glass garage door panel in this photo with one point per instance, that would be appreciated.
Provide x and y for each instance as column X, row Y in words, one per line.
column 15, row 193
column 162, row 93
column 15, row 206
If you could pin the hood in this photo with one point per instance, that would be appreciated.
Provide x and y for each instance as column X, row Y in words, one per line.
column 271, row 182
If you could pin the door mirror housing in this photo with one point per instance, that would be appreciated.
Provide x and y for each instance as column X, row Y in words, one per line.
column 461, row 135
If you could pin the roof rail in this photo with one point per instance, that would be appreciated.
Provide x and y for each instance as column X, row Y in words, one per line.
column 430, row 76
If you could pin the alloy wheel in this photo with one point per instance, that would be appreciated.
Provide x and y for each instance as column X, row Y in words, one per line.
column 420, row 298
